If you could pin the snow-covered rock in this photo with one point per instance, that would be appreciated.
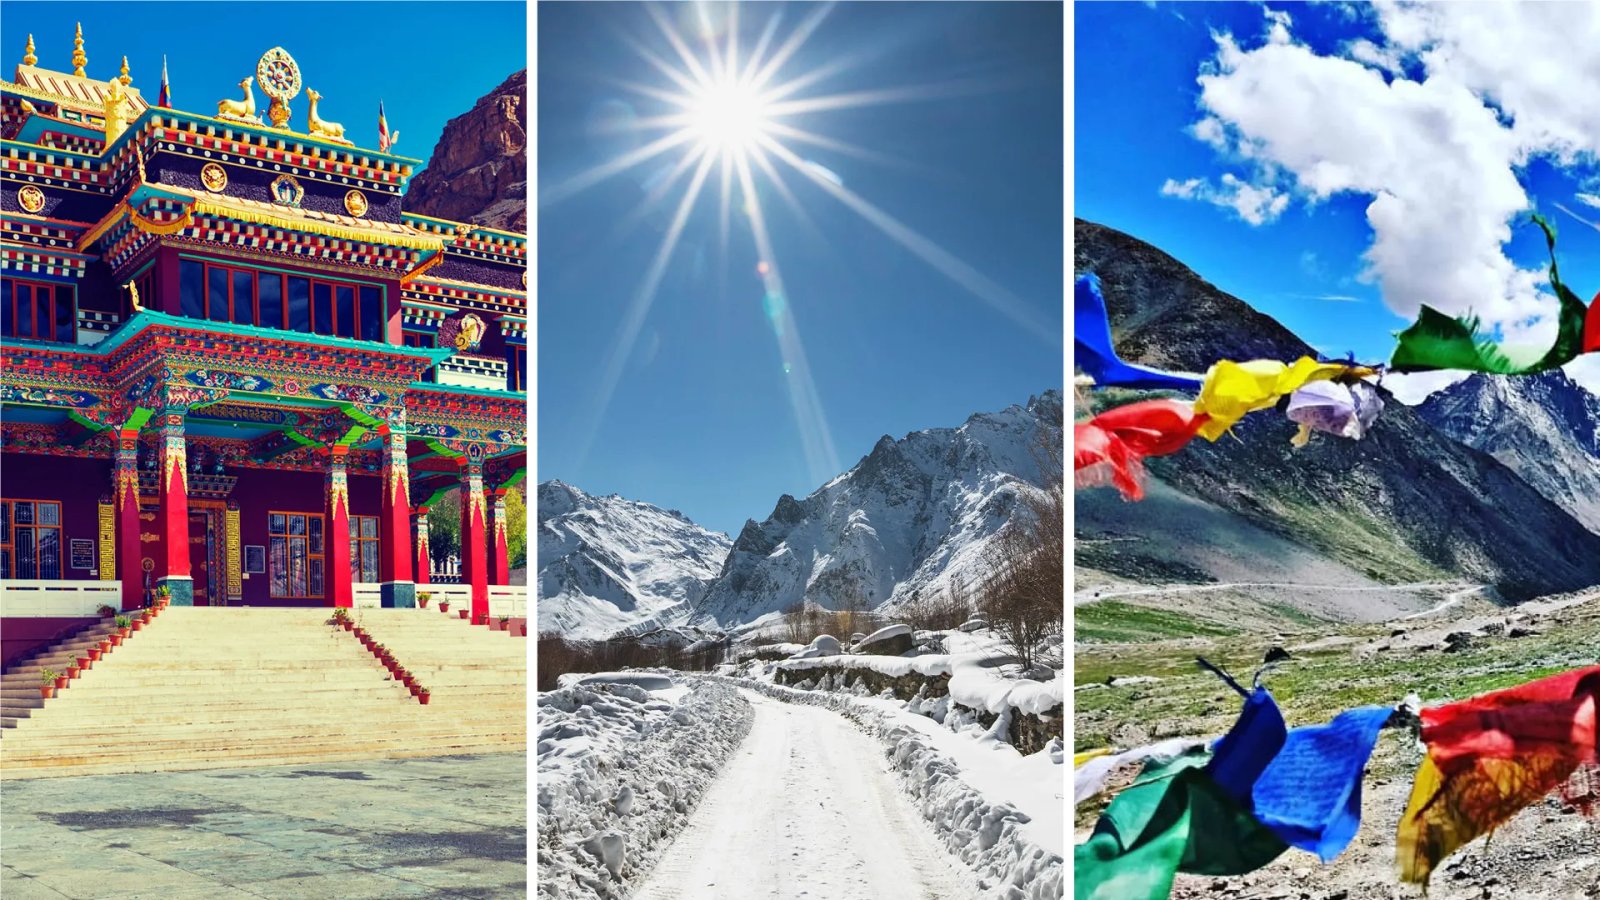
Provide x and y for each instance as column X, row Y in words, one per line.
column 972, row 625
column 908, row 517
column 822, row 645
column 608, row 565
column 650, row 681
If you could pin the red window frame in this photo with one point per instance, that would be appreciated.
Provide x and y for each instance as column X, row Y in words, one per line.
column 55, row 293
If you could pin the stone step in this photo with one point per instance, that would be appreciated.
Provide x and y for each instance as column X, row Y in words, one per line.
column 287, row 757
column 247, row 754
column 21, row 750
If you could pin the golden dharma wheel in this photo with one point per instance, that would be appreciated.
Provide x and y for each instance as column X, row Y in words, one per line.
column 214, row 177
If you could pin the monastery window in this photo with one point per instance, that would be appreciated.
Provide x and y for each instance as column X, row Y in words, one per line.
column 38, row 310
column 242, row 296
column 364, row 549
column 414, row 339
column 30, row 539
column 516, row 368
column 295, row 554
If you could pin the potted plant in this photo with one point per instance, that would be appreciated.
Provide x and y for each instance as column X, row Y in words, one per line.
column 105, row 611
column 465, row 613
column 85, row 660
column 61, row 681
column 72, row 672
column 163, row 596
column 105, row 646
column 421, row 695
column 138, row 622
column 444, row 606
column 505, row 623
column 47, row 683
column 124, row 625
column 423, row 598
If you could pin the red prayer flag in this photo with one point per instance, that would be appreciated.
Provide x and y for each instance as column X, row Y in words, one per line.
column 1113, row 445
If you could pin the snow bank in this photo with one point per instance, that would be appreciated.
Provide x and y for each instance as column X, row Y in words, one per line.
column 820, row 646
column 977, row 686
column 619, row 771
column 1013, row 860
column 647, row 680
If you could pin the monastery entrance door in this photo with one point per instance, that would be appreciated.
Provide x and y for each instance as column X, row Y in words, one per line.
column 206, row 535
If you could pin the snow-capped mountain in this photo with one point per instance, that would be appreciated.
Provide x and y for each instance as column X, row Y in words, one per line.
column 903, row 519
column 607, row 564
column 1545, row 426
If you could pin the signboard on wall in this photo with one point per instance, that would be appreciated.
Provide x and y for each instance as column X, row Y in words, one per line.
column 81, row 553
column 255, row 559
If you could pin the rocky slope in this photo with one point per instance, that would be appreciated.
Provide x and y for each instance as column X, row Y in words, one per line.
column 1406, row 504
column 905, row 518
column 478, row 172
column 1546, row 427
column 608, row 565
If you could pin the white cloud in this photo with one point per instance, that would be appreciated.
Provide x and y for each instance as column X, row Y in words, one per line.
column 1415, row 388
column 1585, row 370
column 1254, row 204
column 1437, row 158
column 1589, row 199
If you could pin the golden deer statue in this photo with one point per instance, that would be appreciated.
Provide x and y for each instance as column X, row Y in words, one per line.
column 316, row 126
column 239, row 109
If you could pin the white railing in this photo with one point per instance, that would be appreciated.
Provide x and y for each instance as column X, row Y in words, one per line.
column 508, row 600
column 57, row 598
column 366, row 595
column 457, row 595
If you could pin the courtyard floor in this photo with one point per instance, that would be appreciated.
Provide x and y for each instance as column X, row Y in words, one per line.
column 453, row 826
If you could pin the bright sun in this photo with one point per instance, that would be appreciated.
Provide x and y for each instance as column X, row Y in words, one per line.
column 728, row 116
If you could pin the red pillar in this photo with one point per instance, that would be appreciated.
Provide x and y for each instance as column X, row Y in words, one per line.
column 474, row 549
column 420, row 535
column 337, row 582
column 499, row 552
column 125, row 477
column 174, row 514
column 394, row 522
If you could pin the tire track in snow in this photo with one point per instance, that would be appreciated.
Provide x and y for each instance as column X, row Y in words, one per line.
column 806, row 809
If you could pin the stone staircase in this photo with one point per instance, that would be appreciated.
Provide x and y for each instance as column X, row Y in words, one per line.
column 226, row 687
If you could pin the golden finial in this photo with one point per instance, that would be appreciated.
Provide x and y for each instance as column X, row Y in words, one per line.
column 28, row 58
column 133, row 290
column 125, row 78
column 79, row 58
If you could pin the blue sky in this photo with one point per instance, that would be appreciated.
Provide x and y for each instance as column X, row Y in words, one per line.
column 1447, row 150
column 703, row 416
column 427, row 62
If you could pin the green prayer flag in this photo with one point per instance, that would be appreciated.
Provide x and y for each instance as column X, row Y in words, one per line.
column 1174, row 818
column 1436, row 341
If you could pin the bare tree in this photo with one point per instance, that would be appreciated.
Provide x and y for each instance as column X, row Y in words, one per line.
column 794, row 622
column 1024, row 595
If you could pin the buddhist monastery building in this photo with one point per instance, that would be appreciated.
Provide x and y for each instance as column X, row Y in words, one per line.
column 233, row 367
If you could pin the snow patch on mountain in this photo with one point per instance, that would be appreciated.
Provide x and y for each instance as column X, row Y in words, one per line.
column 908, row 517
column 608, row 564
column 1546, row 427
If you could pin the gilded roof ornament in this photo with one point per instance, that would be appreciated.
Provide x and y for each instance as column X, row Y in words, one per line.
column 79, row 58
column 28, row 58
column 316, row 126
column 125, row 78
column 279, row 77
column 242, row 110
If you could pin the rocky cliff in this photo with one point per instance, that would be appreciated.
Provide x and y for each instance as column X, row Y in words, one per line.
column 1546, row 427
column 478, row 172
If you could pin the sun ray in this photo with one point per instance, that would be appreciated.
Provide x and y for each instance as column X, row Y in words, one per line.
column 799, row 37
column 815, row 438
column 1000, row 299
column 690, row 62
column 655, row 195
column 643, row 299
column 593, row 176
column 778, row 129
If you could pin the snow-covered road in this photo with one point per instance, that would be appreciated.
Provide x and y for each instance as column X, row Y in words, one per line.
column 806, row 808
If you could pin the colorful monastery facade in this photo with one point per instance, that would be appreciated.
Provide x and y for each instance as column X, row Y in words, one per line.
column 231, row 364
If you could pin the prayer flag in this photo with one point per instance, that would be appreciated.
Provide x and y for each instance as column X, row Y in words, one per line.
column 1436, row 341
column 383, row 130
column 1334, row 408
column 164, row 98
column 1112, row 446
column 1490, row 757
column 1097, row 354
column 1233, row 389
column 1310, row 794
